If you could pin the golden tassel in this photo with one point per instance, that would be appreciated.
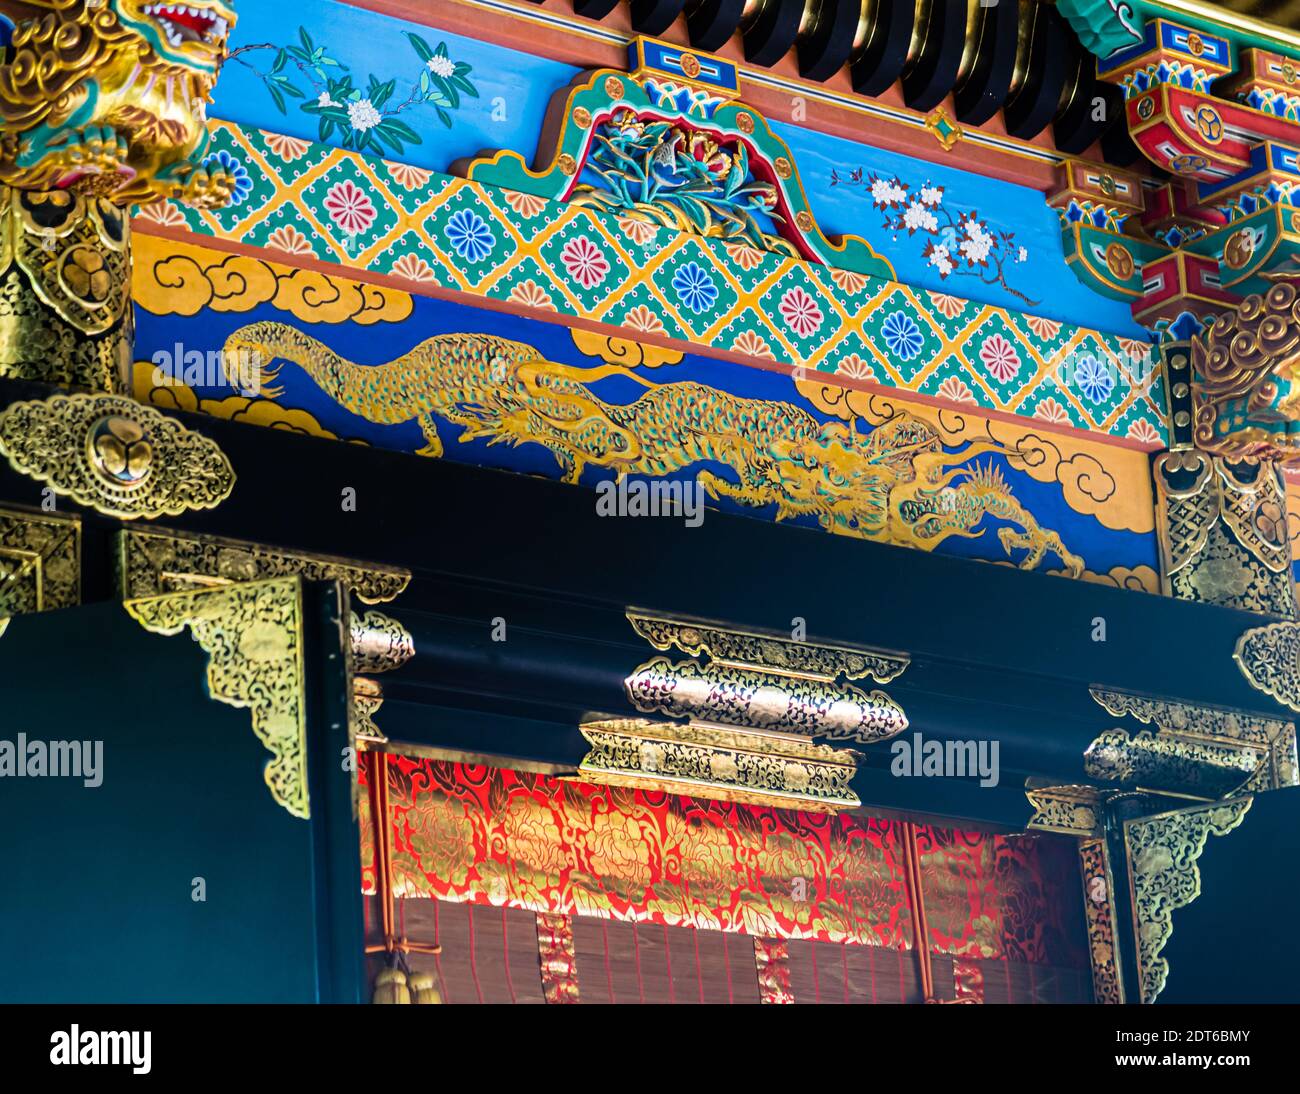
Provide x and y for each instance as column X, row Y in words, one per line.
column 390, row 987
column 423, row 987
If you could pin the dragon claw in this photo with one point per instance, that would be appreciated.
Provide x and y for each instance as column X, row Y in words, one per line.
column 206, row 189
column 94, row 163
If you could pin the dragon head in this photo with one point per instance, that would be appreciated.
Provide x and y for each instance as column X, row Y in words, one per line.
column 190, row 36
column 830, row 474
column 108, row 97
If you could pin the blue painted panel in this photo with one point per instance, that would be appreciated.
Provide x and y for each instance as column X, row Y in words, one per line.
column 492, row 406
column 511, row 93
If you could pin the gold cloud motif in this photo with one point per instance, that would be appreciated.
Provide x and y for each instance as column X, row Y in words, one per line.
column 623, row 351
column 172, row 278
column 234, row 408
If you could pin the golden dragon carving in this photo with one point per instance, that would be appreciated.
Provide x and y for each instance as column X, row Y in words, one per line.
column 107, row 97
column 895, row 484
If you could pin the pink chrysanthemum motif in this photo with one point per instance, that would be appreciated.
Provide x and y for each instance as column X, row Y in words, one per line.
column 287, row 148
column 750, row 344
column 413, row 268
column 1049, row 410
column 531, row 295
column 408, row 177
column 1046, row 329
column 956, row 391
column 800, row 311
column 1143, row 431
column 526, row 205
column 585, row 262
column 643, row 319
column 948, row 306
column 854, row 366
column 744, row 256
column 1000, row 358
column 350, row 207
column 288, row 239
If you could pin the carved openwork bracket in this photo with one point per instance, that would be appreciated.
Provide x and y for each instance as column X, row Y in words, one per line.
column 115, row 456
column 666, row 145
column 1068, row 810
column 1223, row 532
column 253, row 635
column 1162, row 852
column 1269, row 657
column 152, row 561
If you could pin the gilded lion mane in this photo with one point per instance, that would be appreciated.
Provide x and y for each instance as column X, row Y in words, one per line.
column 1241, row 354
column 51, row 56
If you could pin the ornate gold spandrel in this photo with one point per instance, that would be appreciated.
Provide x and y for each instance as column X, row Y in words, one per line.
column 746, row 649
column 253, row 635
column 1209, row 752
column 1222, row 528
column 156, row 560
column 115, row 456
column 1269, row 658
column 40, row 561
column 1099, row 911
column 65, row 308
column 1162, row 852
column 151, row 561
column 720, row 764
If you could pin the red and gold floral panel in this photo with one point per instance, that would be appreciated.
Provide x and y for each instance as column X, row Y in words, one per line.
column 1001, row 910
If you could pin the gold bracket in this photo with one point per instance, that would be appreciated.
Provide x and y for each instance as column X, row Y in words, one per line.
column 253, row 635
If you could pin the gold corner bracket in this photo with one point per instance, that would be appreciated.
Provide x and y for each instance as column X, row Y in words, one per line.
column 115, row 456
column 1269, row 658
column 253, row 635
column 1162, row 852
